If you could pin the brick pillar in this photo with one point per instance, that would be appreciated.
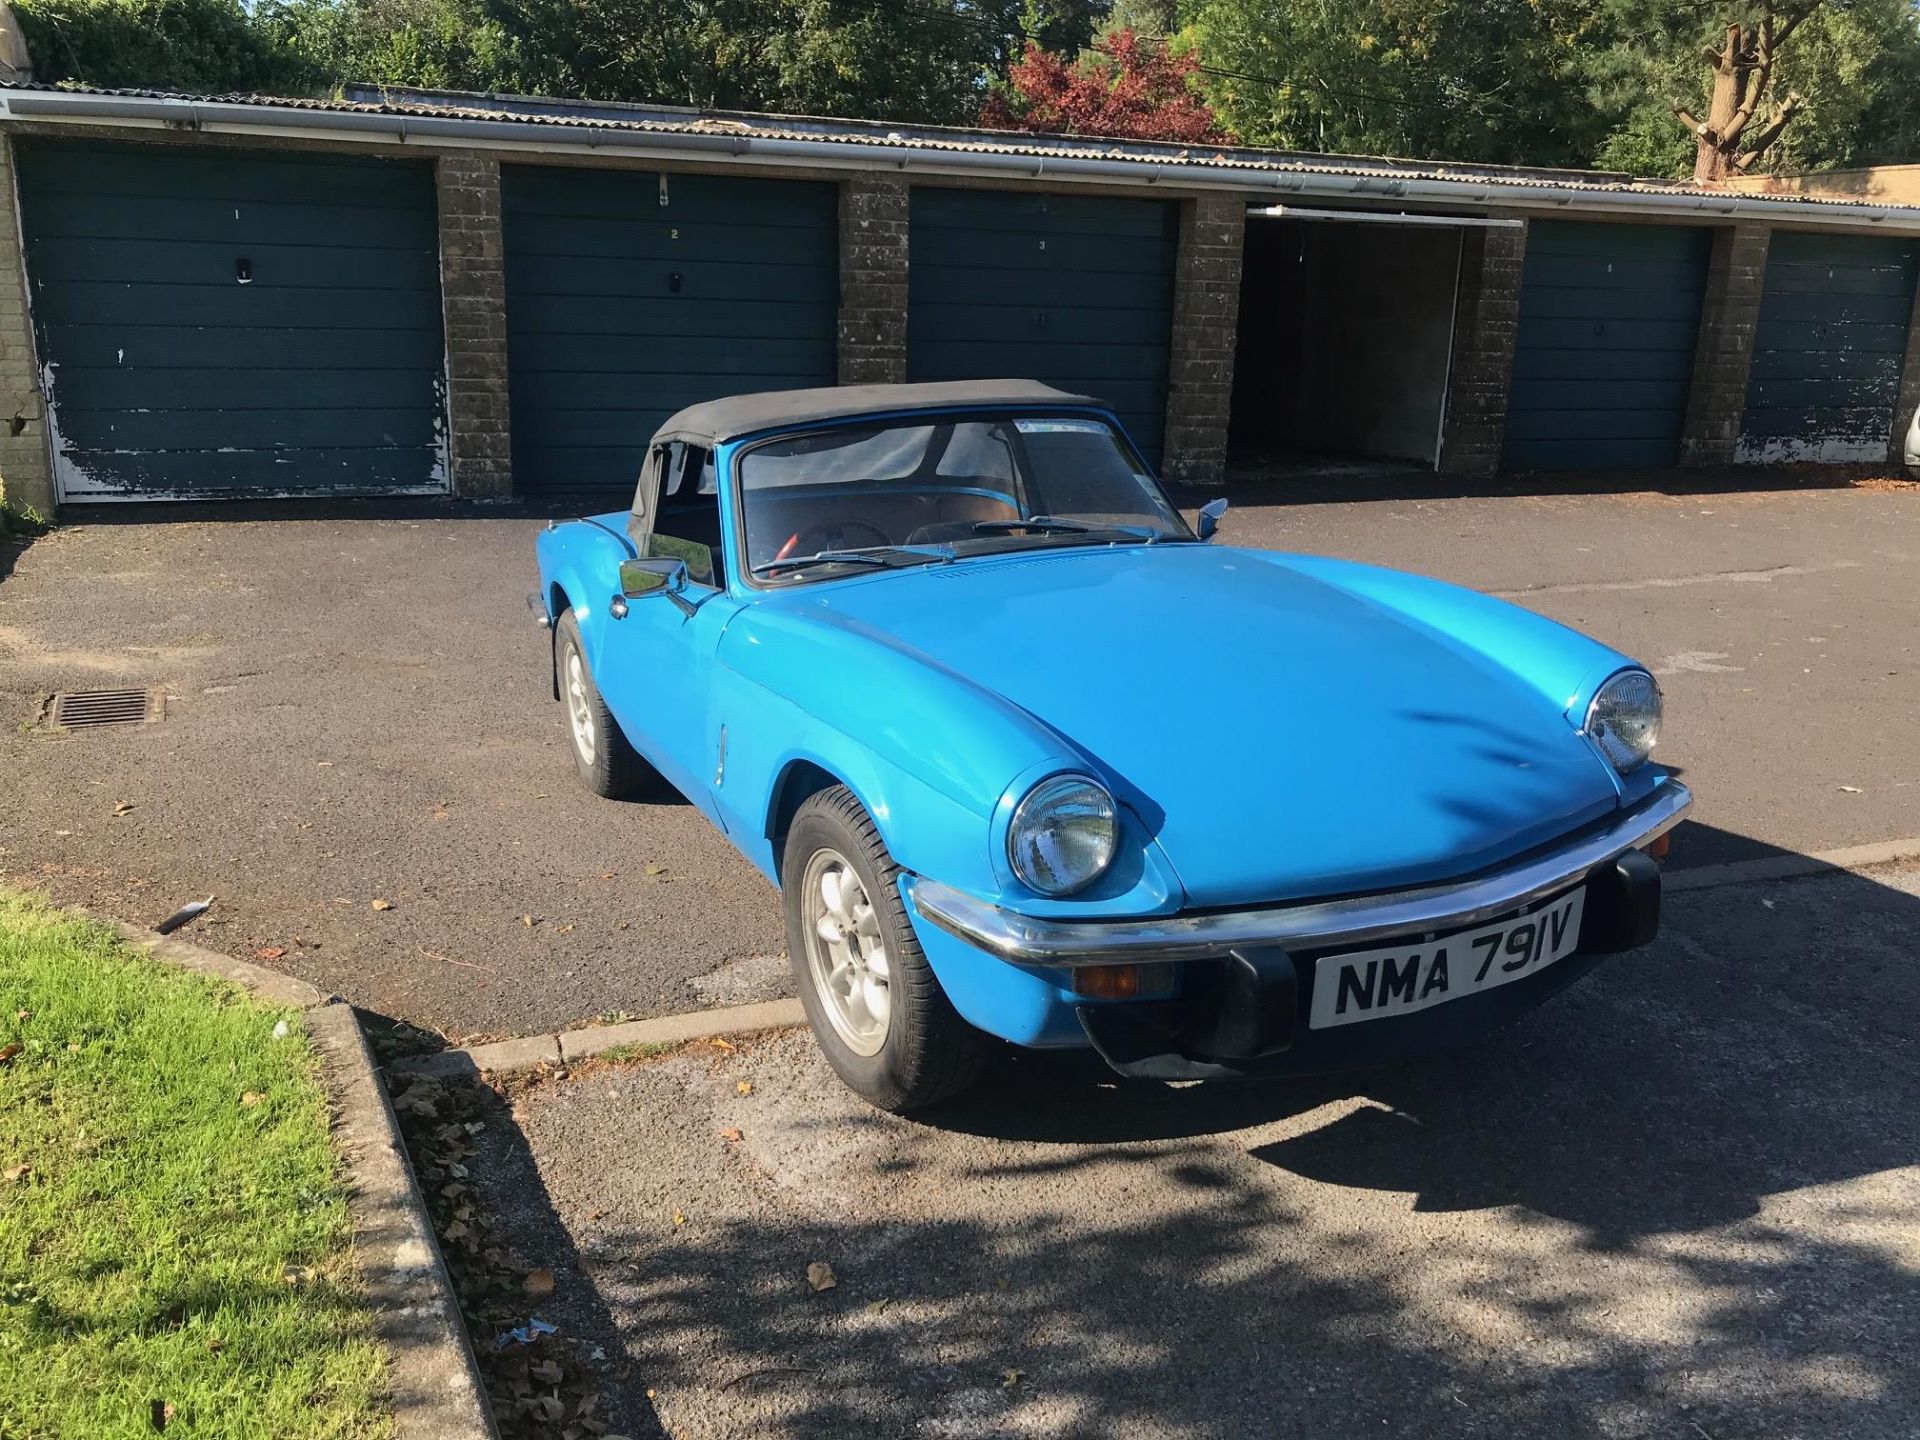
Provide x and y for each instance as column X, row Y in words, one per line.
column 873, row 280
column 26, row 458
column 1486, row 323
column 1736, row 279
column 473, row 296
column 1206, row 328
column 1909, row 386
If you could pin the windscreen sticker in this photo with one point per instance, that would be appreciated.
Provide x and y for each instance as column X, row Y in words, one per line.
column 1060, row 427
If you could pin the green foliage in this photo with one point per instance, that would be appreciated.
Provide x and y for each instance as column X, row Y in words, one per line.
column 174, row 1237
column 20, row 522
column 1545, row 81
column 198, row 46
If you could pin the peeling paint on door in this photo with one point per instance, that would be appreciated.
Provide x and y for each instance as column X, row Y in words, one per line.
column 297, row 349
column 1828, row 349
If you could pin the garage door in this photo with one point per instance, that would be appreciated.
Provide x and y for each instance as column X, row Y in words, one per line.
column 215, row 322
column 1076, row 291
column 1828, row 347
column 1604, row 357
column 631, row 294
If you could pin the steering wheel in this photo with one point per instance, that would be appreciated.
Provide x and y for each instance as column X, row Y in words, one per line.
column 837, row 535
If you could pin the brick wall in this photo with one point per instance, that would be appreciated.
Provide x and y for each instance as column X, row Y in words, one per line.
column 1736, row 280
column 873, row 280
column 26, row 462
column 473, row 287
column 1486, row 323
column 1206, row 327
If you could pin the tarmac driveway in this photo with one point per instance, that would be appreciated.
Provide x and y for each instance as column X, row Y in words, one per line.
column 358, row 711
column 1679, row 1201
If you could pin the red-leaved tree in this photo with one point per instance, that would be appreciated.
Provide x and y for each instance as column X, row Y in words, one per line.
column 1129, row 88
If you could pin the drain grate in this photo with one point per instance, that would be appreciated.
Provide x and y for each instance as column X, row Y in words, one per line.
column 90, row 709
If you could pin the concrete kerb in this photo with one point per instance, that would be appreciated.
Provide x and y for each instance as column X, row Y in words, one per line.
column 1793, row 867
column 508, row 1056
column 435, row 1385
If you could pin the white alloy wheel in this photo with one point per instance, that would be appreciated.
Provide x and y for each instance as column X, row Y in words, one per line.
column 579, row 705
column 846, row 952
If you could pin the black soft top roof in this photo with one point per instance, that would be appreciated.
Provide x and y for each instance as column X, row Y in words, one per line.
column 713, row 421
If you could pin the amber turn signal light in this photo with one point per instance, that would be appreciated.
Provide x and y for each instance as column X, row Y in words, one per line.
column 1658, row 849
column 1107, row 982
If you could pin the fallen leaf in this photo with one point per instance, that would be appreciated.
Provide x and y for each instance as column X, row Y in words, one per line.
column 527, row 920
column 679, row 1218
column 721, row 1044
column 744, row 1087
column 439, row 814
column 547, row 1372
column 296, row 1275
column 15, row 1173
column 731, row 1135
column 606, row 874
column 251, row 1098
column 23, row 1015
column 382, row 904
column 269, row 952
column 1010, row 1378
column 566, row 930
column 124, row 807
column 8, row 1051
column 820, row 1276
column 538, row 1282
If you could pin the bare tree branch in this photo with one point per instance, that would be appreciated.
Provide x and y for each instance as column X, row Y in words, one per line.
column 1765, row 137
column 1685, row 117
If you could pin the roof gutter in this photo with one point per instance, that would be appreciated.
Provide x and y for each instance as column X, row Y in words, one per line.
column 239, row 118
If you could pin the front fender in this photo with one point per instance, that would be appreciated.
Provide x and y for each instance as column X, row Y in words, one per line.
column 930, row 755
column 579, row 565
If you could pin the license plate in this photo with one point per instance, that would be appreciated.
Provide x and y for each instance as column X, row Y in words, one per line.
column 1404, row 978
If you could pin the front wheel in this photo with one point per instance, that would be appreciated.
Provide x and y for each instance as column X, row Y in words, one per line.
column 876, row 1009
column 607, row 764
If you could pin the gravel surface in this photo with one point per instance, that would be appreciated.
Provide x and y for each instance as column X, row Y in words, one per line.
column 1678, row 1201
column 358, row 711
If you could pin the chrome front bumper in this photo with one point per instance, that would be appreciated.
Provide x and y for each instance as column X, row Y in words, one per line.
column 1434, row 909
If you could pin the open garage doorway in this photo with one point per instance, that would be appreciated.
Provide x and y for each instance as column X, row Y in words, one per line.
column 1346, row 338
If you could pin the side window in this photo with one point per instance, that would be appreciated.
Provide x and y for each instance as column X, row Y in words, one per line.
column 689, row 527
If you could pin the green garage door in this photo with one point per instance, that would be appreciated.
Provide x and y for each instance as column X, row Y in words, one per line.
column 1073, row 290
column 1827, row 350
column 1604, row 358
column 631, row 294
column 215, row 322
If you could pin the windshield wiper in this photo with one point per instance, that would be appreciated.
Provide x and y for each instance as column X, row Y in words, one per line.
column 1055, row 525
column 869, row 555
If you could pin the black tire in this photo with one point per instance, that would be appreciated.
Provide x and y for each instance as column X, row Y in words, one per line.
column 929, row 1052
column 614, row 769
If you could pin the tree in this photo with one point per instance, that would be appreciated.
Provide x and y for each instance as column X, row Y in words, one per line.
column 1854, row 64
column 1457, row 79
column 200, row 46
column 1124, row 87
column 1728, row 141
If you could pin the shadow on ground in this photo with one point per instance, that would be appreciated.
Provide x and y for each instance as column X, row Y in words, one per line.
column 1676, row 1201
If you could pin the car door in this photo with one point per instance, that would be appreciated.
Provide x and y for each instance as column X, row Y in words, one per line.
column 656, row 667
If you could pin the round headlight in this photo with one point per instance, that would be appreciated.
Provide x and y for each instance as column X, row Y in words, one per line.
column 1624, row 719
column 1063, row 834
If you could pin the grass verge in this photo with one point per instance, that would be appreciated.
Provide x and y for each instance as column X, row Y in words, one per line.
column 174, row 1235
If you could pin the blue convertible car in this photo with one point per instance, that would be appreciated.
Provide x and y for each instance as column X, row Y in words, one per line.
column 1028, row 757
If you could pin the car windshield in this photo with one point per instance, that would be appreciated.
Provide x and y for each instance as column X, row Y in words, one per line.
column 936, row 488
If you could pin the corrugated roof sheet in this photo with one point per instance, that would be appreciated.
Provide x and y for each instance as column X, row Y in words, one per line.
column 577, row 116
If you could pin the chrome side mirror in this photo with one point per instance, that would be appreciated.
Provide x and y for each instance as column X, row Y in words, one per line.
column 640, row 578
column 1211, row 514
